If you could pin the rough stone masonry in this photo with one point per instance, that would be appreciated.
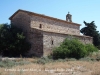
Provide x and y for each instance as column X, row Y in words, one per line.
column 44, row 32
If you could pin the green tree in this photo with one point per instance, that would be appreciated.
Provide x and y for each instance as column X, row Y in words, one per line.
column 12, row 41
column 73, row 48
column 90, row 30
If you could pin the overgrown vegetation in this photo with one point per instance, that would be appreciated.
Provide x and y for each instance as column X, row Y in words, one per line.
column 73, row 49
column 93, row 56
column 11, row 63
column 12, row 41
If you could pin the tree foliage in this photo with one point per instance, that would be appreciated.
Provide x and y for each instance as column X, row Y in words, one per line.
column 90, row 30
column 73, row 49
column 12, row 41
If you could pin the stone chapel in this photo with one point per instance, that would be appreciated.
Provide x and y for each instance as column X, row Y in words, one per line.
column 44, row 32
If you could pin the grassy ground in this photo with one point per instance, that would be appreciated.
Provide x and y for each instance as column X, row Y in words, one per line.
column 72, row 67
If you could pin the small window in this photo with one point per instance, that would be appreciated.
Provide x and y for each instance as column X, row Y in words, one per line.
column 40, row 26
column 52, row 42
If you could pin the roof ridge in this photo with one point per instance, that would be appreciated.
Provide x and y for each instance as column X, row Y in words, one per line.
column 42, row 15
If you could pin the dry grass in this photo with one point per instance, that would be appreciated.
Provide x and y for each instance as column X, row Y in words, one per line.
column 54, row 68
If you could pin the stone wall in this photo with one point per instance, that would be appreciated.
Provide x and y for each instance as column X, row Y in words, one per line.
column 22, row 20
column 44, row 34
column 36, row 40
column 54, row 26
column 48, row 37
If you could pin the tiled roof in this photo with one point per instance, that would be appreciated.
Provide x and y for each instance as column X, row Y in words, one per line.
column 41, row 15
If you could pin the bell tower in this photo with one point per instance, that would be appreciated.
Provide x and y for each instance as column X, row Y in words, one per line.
column 69, row 17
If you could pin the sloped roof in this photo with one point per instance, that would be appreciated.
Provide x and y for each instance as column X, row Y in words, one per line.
column 41, row 15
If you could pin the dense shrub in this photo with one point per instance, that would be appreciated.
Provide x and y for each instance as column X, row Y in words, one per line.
column 72, row 49
column 90, row 48
column 13, row 41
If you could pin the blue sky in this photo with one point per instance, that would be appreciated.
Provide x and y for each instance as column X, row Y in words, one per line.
column 81, row 10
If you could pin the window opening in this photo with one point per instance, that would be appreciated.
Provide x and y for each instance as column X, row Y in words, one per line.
column 52, row 42
column 40, row 26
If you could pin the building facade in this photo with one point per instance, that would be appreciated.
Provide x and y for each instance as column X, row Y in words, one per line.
column 44, row 32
